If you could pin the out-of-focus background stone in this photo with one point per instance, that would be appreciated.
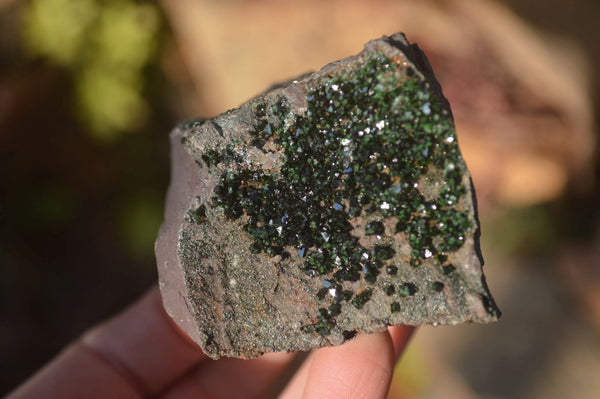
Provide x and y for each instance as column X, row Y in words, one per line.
column 89, row 90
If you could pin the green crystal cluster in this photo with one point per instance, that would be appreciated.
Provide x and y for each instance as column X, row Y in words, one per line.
column 360, row 154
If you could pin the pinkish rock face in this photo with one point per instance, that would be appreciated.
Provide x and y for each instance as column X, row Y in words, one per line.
column 338, row 203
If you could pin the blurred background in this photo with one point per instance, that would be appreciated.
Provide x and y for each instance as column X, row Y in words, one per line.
column 89, row 90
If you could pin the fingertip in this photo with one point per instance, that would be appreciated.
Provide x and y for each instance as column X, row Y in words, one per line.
column 400, row 336
column 360, row 368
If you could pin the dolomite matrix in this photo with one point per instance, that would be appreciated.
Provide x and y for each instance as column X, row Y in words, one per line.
column 334, row 204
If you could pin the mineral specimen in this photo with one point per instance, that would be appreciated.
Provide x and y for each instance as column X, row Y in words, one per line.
column 334, row 204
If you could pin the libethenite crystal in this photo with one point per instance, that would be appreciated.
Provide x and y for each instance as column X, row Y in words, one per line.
column 337, row 203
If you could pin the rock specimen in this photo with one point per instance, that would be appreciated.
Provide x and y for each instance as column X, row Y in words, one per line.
column 334, row 204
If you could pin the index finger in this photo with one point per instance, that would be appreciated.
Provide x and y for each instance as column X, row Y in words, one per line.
column 136, row 354
column 145, row 341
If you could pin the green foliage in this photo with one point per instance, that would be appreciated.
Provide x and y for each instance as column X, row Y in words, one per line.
column 57, row 29
column 139, row 219
column 531, row 229
column 49, row 206
column 106, row 45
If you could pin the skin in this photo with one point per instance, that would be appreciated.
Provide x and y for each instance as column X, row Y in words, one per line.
column 141, row 353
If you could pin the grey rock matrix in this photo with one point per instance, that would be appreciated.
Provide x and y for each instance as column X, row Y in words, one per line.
column 333, row 204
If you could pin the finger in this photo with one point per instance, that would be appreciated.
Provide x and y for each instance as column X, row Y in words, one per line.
column 135, row 354
column 232, row 378
column 361, row 368
column 76, row 373
column 295, row 387
column 145, row 345
column 401, row 337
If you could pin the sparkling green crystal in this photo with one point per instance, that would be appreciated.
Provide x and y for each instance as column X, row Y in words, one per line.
column 360, row 149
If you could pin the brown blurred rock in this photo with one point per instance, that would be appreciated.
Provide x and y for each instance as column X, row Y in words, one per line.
column 520, row 98
column 337, row 203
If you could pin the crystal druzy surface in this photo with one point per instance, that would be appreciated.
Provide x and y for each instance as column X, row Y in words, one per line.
column 334, row 204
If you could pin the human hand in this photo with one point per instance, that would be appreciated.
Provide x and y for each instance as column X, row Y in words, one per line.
column 141, row 353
